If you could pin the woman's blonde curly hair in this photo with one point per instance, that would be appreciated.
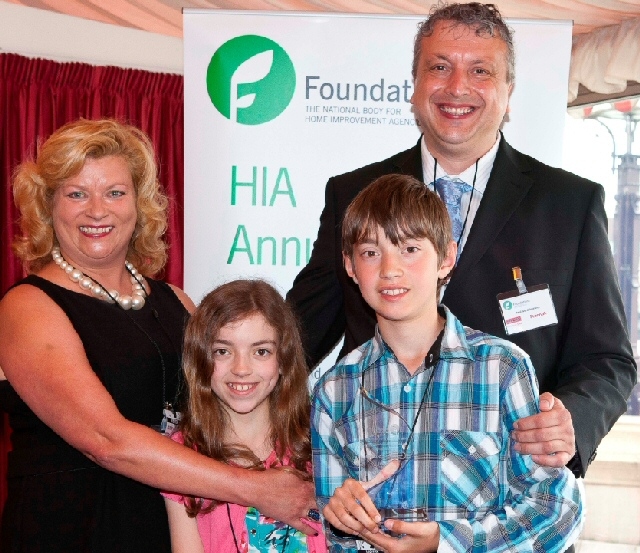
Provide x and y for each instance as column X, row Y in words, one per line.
column 63, row 156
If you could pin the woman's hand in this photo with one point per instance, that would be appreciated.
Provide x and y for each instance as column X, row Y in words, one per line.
column 286, row 495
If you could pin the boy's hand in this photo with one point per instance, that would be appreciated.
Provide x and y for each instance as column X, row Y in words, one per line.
column 419, row 537
column 351, row 510
column 548, row 436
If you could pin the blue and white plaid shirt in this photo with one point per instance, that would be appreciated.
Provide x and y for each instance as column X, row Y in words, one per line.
column 460, row 467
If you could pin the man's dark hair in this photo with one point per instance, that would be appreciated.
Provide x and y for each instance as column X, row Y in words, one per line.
column 484, row 19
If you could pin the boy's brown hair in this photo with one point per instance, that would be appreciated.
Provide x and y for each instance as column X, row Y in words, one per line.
column 404, row 208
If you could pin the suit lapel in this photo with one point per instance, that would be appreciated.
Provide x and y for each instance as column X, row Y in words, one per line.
column 411, row 163
column 506, row 188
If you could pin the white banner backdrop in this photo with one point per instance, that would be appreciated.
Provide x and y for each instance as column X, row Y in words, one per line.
column 276, row 103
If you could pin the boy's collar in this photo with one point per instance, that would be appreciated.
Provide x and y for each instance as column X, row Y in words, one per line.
column 451, row 343
column 454, row 343
column 433, row 355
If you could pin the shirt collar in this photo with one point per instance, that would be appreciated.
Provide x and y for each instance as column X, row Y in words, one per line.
column 485, row 164
column 453, row 342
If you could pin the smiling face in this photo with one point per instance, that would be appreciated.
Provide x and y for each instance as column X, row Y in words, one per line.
column 461, row 91
column 94, row 213
column 399, row 282
column 246, row 367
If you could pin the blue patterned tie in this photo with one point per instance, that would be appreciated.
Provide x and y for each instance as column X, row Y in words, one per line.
column 451, row 191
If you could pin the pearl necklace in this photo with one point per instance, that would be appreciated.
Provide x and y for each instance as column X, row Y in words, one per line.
column 135, row 301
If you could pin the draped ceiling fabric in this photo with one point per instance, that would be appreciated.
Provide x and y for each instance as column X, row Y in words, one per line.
column 606, row 61
column 165, row 16
column 606, row 55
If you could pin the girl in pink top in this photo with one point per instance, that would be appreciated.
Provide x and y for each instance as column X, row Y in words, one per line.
column 248, row 405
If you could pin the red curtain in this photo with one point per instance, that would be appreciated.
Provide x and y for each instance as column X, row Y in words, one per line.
column 38, row 96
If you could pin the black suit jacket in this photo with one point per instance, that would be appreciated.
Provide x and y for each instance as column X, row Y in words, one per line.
column 551, row 224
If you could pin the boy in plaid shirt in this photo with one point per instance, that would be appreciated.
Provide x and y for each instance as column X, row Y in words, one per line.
column 411, row 431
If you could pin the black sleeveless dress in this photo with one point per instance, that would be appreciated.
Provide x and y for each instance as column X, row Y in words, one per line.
column 60, row 501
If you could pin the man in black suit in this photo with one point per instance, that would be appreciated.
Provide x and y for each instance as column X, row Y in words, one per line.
column 519, row 212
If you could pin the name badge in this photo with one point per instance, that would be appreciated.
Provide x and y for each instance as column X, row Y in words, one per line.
column 529, row 310
column 170, row 420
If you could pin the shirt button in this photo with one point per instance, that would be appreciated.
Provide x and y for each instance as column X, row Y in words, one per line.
column 407, row 388
column 393, row 429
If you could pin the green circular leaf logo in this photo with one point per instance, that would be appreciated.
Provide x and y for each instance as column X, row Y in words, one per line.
column 507, row 305
column 251, row 79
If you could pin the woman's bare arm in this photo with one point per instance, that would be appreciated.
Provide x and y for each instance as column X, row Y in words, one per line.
column 43, row 358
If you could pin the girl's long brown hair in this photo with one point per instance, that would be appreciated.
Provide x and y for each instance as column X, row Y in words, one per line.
column 205, row 418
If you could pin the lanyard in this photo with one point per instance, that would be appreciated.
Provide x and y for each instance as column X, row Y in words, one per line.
column 431, row 359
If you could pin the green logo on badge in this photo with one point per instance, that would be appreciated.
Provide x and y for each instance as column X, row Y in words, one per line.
column 507, row 305
column 251, row 79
